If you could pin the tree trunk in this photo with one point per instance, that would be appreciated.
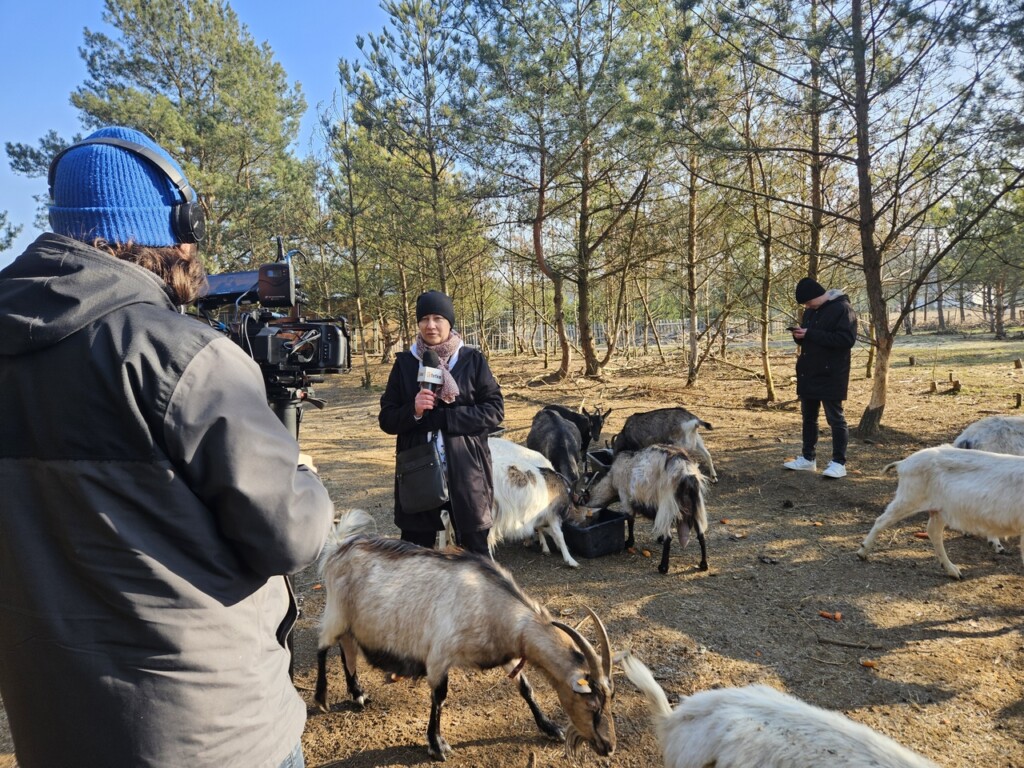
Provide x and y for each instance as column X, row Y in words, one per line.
column 940, row 312
column 814, row 255
column 649, row 320
column 987, row 307
column 999, row 307
column 563, row 338
column 872, row 258
column 691, row 274
column 405, row 320
column 872, row 418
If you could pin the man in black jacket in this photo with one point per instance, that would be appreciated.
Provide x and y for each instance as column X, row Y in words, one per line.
column 826, row 337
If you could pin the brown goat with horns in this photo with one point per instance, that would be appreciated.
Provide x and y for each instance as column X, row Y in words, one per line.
column 419, row 612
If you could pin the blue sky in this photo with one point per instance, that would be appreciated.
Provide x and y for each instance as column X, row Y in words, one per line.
column 40, row 40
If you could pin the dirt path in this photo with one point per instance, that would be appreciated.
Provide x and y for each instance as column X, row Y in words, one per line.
column 936, row 664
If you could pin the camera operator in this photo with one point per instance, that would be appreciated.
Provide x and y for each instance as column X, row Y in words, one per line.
column 152, row 501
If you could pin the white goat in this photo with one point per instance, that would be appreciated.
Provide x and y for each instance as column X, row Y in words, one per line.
column 662, row 483
column 757, row 725
column 529, row 498
column 971, row 491
column 997, row 434
column 419, row 612
column 507, row 451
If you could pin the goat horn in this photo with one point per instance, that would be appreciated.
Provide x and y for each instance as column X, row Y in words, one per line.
column 606, row 646
column 586, row 648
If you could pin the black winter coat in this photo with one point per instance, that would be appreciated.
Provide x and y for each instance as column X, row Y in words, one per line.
column 823, row 367
column 464, row 425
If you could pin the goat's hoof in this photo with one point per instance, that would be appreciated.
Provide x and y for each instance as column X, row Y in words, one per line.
column 862, row 553
column 662, row 569
column 321, row 704
column 572, row 563
column 703, row 566
column 441, row 752
column 553, row 731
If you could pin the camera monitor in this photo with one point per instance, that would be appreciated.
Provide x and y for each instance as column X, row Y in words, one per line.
column 230, row 287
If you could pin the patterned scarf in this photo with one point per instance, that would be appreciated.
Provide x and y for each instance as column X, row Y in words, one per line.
column 445, row 350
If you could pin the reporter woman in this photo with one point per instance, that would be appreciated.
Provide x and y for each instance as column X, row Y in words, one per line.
column 460, row 415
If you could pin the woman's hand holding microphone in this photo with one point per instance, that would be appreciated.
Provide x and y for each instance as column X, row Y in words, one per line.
column 424, row 401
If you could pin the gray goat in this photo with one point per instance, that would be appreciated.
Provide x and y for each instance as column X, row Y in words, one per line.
column 419, row 612
column 674, row 426
column 662, row 483
column 559, row 440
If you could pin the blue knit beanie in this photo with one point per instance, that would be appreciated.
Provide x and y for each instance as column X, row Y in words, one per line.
column 105, row 191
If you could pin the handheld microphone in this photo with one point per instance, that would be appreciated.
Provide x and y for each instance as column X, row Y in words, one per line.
column 429, row 375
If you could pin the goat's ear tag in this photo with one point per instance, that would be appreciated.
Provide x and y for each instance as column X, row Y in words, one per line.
column 581, row 686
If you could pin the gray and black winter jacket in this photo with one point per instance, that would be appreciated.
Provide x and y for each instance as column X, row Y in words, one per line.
column 151, row 505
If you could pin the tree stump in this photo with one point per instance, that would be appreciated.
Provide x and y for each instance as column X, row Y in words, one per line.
column 951, row 376
column 912, row 361
column 1017, row 397
column 1018, row 363
column 934, row 386
column 956, row 386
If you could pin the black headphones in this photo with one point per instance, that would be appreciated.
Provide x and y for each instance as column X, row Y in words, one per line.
column 188, row 221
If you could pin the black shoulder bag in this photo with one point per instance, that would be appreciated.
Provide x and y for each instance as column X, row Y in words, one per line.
column 422, row 481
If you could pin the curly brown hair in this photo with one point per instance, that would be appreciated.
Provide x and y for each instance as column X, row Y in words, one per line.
column 178, row 266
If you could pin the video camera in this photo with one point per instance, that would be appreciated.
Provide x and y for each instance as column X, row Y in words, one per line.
column 291, row 351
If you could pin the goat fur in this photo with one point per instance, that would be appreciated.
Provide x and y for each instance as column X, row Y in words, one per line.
column 559, row 440
column 758, row 725
column 419, row 612
column 996, row 434
column 660, row 482
column 673, row 426
column 589, row 423
column 529, row 498
column 971, row 491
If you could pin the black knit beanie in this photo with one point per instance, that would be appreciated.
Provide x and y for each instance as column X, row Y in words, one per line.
column 435, row 303
column 808, row 289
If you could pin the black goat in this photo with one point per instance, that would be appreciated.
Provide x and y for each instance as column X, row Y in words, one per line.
column 559, row 441
column 588, row 423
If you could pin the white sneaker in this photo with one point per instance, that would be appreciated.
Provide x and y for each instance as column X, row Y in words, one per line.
column 801, row 464
column 835, row 470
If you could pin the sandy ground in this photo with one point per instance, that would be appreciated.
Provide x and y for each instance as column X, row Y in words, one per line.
column 934, row 663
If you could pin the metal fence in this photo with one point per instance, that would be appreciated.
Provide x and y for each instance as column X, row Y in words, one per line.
column 498, row 335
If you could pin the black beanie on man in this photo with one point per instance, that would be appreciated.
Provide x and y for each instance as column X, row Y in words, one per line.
column 435, row 303
column 808, row 289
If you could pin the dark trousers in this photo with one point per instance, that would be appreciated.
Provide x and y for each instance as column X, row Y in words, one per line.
column 836, row 421
column 471, row 541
